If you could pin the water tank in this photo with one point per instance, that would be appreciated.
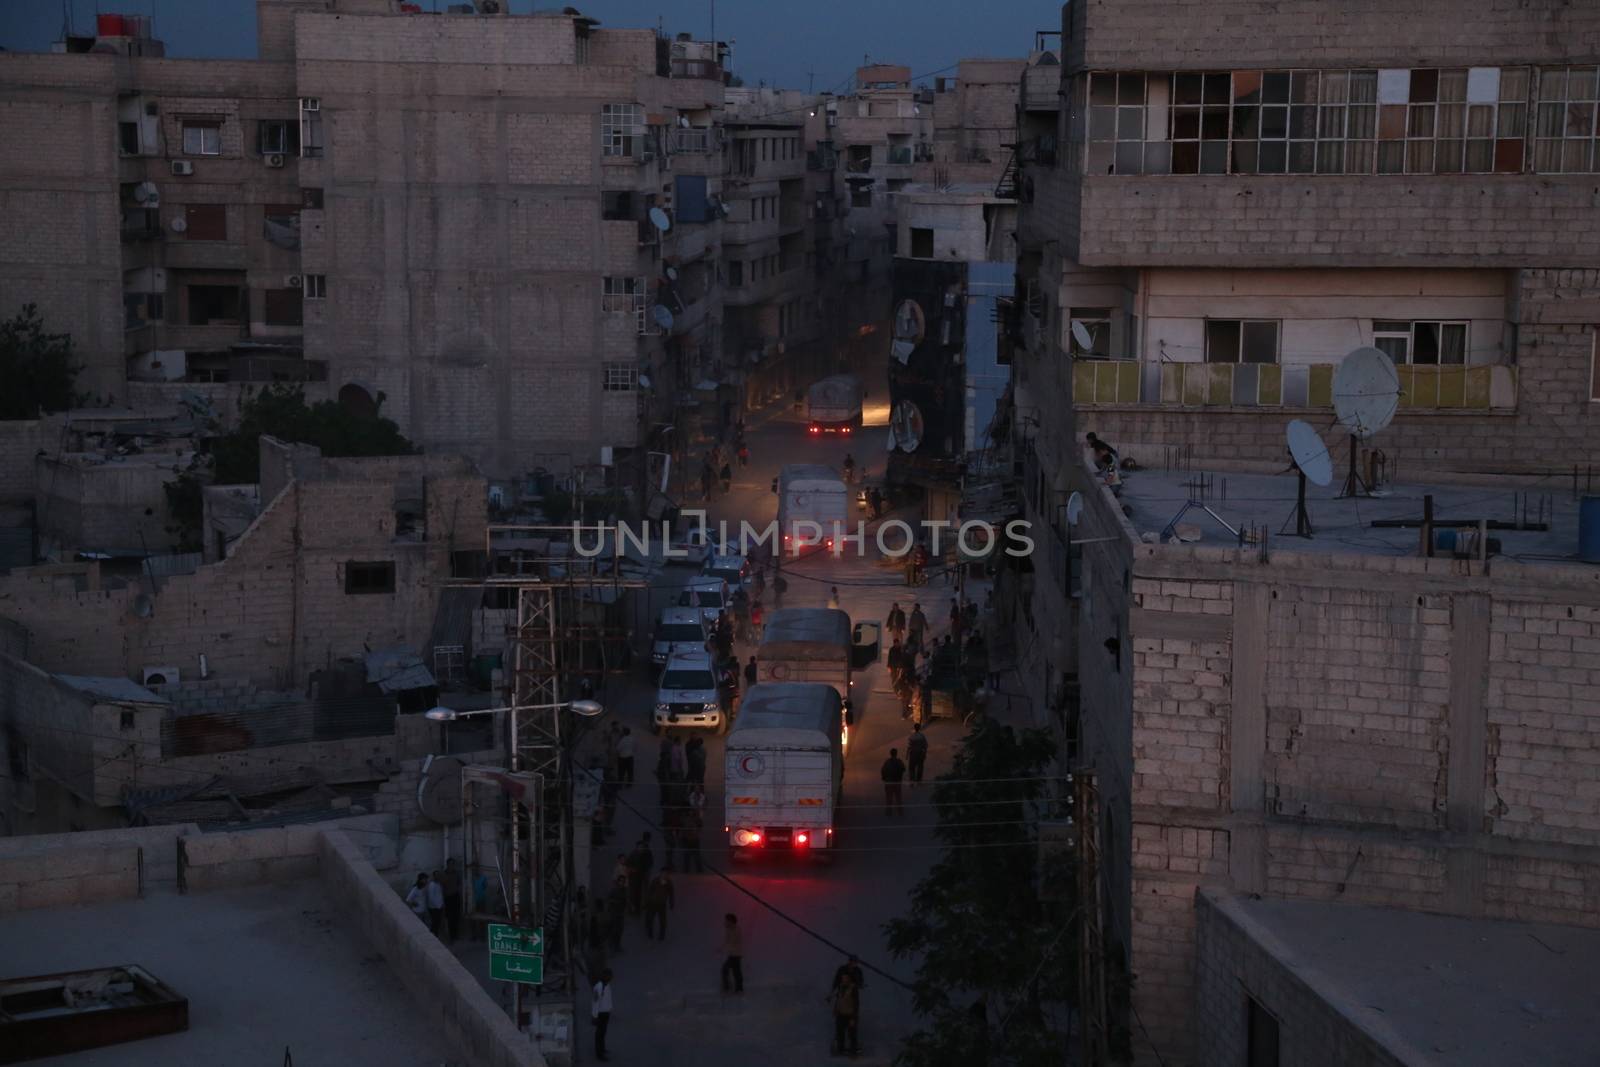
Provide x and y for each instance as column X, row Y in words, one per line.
column 109, row 26
column 1589, row 529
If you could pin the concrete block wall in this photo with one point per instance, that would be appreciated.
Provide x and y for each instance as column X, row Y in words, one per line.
column 429, row 971
column 282, row 854
column 1235, row 962
column 20, row 442
column 60, row 870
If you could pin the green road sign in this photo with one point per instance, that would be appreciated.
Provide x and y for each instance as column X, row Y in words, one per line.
column 503, row 937
column 507, row 967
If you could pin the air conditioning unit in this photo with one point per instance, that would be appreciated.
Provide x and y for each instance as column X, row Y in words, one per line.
column 182, row 168
column 310, row 103
column 275, row 159
column 159, row 676
column 292, row 281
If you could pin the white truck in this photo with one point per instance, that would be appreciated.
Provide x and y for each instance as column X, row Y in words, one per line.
column 833, row 405
column 811, row 645
column 813, row 507
column 784, row 771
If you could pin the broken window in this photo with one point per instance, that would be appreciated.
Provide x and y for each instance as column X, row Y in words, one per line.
column 619, row 377
column 277, row 137
column 621, row 127
column 1262, row 1039
column 366, row 578
column 921, row 242
column 1241, row 341
column 202, row 137
column 1565, row 132
column 215, row 305
column 1439, row 342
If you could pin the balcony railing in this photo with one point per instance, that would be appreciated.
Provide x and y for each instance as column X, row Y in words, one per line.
column 1191, row 385
column 694, row 140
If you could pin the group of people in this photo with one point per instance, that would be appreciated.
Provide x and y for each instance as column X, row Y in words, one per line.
column 436, row 899
column 716, row 469
column 958, row 661
column 1106, row 461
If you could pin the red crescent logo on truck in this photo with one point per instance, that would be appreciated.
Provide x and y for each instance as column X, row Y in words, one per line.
column 751, row 765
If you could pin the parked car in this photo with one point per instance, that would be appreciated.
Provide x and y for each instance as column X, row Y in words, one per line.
column 689, row 696
column 689, row 549
column 677, row 630
column 733, row 569
column 708, row 594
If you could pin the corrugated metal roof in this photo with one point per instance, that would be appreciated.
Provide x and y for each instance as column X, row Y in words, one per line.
column 398, row 669
column 112, row 689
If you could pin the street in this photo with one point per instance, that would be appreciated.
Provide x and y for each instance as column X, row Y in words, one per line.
column 669, row 1009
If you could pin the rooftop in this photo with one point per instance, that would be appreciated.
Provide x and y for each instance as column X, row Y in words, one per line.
column 1153, row 497
column 263, row 968
column 1439, row 989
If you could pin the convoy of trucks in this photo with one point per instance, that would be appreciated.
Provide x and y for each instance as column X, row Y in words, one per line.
column 813, row 507
column 833, row 405
column 784, row 769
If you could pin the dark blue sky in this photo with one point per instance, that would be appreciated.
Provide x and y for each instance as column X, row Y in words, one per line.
column 783, row 43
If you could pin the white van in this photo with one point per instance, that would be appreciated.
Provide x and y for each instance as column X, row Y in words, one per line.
column 677, row 630
column 688, row 694
column 708, row 594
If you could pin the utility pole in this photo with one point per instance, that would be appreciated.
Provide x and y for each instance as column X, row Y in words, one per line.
column 1091, row 947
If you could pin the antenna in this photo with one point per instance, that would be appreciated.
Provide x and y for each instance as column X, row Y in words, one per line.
column 1200, row 489
column 1366, row 392
column 1311, row 462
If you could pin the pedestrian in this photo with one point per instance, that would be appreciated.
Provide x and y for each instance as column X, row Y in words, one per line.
column 779, row 587
column 640, row 862
column 706, row 475
column 892, row 660
column 895, row 621
column 617, row 912
column 911, row 568
column 758, row 584
column 916, row 626
column 916, row 753
column 833, row 597
column 689, row 832
column 659, row 898
column 679, row 760
column 744, row 454
column 417, row 897
column 893, row 773
column 664, row 772
column 846, row 998
column 732, row 955
column 875, row 499
column 919, row 564
column 480, row 903
column 600, row 1012
column 451, row 880
column 619, row 870
column 957, row 619
column 751, row 671
column 436, row 904
column 727, row 477
column 625, row 743
column 695, row 761
column 741, row 613
column 758, row 617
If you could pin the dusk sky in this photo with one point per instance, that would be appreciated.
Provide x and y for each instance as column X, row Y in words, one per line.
column 783, row 44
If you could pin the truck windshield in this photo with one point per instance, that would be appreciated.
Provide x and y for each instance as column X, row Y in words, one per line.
column 688, row 679
column 680, row 632
column 702, row 598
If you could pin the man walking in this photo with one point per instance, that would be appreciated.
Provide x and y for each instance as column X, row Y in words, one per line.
column 600, row 1012
column 916, row 753
column 689, row 832
column 450, row 882
column 436, row 904
column 732, row 955
column 917, row 626
column 625, row 745
column 659, row 898
column 893, row 773
column 750, row 672
column 895, row 623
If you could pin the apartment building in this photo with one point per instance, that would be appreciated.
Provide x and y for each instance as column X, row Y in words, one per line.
column 1346, row 718
column 450, row 214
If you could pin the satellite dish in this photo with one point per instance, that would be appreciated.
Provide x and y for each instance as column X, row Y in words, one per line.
column 659, row 220
column 147, row 194
column 179, row 225
column 144, row 606
column 1074, row 508
column 901, row 350
column 907, row 426
column 663, row 317
column 909, row 324
column 1366, row 391
column 439, row 791
column 1083, row 335
column 672, row 274
column 1309, row 453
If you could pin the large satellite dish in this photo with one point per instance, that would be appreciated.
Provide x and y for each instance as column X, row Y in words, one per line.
column 1366, row 391
column 439, row 791
column 1083, row 335
column 659, row 220
column 1309, row 453
column 906, row 426
column 672, row 274
column 909, row 323
column 663, row 317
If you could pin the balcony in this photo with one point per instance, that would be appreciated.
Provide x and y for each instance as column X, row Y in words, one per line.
column 1127, row 382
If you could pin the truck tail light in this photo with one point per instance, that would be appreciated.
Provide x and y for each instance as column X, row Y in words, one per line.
column 802, row 839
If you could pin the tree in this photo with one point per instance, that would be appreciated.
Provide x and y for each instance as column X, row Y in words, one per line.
column 996, row 960
column 37, row 368
column 278, row 411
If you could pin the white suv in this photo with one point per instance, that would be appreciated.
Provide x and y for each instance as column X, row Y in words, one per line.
column 677, row 630
column 689, row 694
column 708, row 594
column 732, row 568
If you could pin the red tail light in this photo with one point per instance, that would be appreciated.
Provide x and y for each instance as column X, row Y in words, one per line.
column 845, row 431
column 802, row 839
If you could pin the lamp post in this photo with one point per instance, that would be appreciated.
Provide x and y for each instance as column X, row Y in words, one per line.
column 585, row 709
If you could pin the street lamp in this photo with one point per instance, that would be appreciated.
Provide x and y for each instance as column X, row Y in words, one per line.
column 587, row 709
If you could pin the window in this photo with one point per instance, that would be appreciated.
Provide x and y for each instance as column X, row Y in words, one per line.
column 617, row 206
column 735, row 274
column 1398, row 121
column 205, row 222
column 215, row 305
column 202, row 137
column 311, row 199
column 142, row 309
column 1565, row 129
column 1236, row 341
column 126, row 720
column 861, row 196
column 315, row 286
column 280, row 225
column 310, row 127
column 620, row 129
column 1098, row 322
column 1262, row 1041
column 281, row 307
column 1428, row 343
column 364, row 578
column 624, row 295
column 619, row 377
column 128, row 138
column 921, row 242
column 278, row 137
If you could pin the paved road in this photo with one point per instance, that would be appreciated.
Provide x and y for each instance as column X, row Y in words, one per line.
column 669, row 1010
